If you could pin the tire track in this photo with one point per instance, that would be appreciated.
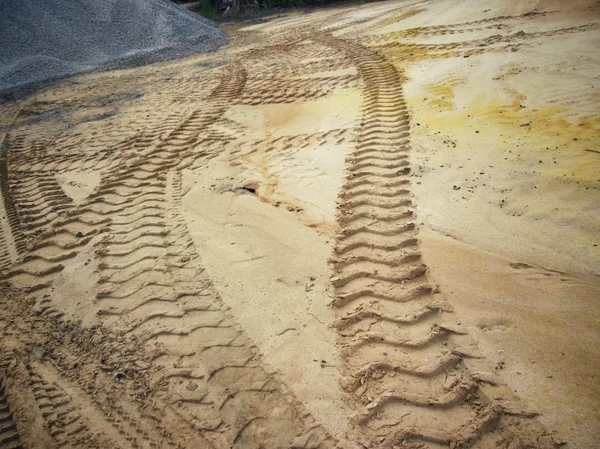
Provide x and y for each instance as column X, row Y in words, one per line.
column 475, row 46
column 301, row 74
column 12, row 242
column 152, row 288
column 9, row 435
column 79, row 388
column 268, row 90
column 131, row 193
column 64, row 417
column 39, row 199
column 407, row 371
column 211, row 373
column 442, row 30
column 12, row 239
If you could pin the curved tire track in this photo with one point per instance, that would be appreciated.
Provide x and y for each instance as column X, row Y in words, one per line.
column 407, row 373
column 206, row 375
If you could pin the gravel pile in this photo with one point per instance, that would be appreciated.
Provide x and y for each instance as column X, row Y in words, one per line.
column 41, row 40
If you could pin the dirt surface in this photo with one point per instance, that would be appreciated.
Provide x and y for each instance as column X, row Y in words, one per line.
column 363, row 227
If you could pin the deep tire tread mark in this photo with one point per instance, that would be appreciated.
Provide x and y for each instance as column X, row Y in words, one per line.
column 9, row 435
column 383, row 291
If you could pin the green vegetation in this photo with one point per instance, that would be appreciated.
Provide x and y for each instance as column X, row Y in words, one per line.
column 207, row 9
column 296, row 3
column 244, row 8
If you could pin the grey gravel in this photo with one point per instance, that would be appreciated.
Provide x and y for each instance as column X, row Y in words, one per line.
column 42, row 40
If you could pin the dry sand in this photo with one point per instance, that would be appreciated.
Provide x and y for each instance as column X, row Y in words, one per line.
column 372, row 226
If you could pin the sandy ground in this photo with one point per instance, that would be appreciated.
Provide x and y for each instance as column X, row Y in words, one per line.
column 372, row 226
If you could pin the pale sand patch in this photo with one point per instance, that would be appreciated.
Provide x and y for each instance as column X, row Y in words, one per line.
column 336, row 111
column 501, row 167
column 272, row 272
column 78, row 184
column 307, row 175
column 538, row 325
column 270, row 260
column 506, row 179
column 74, row 289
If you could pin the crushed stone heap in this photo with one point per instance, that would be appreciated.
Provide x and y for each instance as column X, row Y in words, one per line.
column 41, row 40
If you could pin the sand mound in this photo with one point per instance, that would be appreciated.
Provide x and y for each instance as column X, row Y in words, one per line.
column 46, row 40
